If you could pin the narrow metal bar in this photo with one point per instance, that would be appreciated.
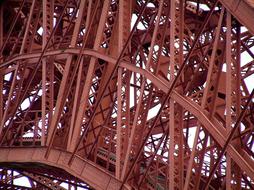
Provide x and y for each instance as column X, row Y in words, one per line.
column 238, row 172
column 75, row 106
column 171, row 159
column 123, row 31
column 1, row 74
column 8, row 101
column 119, row 124
column 228, row 94
column 47, row 21
column 1, row 27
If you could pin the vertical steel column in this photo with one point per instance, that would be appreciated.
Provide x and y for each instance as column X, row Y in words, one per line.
column 119, row 124
column 1, row 27
column 119, row 133
column 238, row 95
column 123, row 29
column 47, row 68
column 176, row 111
column 171, row 101
column 228, row 94
column 1, row 74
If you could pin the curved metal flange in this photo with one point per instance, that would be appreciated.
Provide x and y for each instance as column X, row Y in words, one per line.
column 80, row 168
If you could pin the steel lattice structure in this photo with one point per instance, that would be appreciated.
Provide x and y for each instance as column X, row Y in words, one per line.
column 118, row 94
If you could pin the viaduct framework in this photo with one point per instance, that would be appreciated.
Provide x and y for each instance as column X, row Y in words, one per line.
column 122, row 94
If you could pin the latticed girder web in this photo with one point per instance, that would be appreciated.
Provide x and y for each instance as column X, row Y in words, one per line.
column 108, row 94
column 33, row 176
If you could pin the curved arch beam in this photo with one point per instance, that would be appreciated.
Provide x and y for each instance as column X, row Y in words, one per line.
column 60, row 54
column 80, row 168
column 213, row 127
column 217, row 131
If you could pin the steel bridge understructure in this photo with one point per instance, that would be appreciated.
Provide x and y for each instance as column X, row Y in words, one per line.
column 124, row 94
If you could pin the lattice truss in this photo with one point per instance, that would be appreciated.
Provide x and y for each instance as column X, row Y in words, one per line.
column 118, row 94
